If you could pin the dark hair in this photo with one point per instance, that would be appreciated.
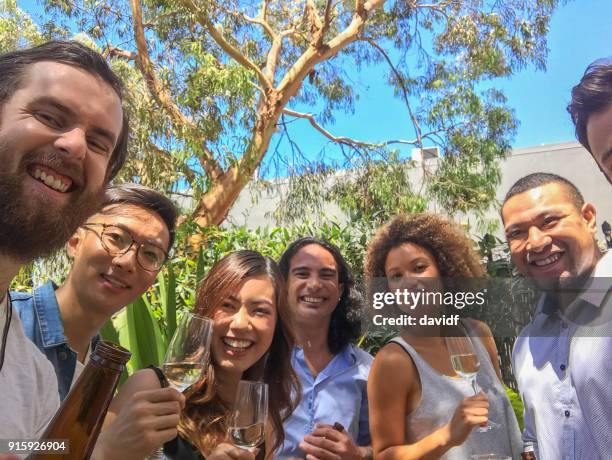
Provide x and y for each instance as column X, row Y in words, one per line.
column 13, row 66
column 145, row 197
column 203, row 421
column 345, row 324
column 538, row 180
column 591, row 95
column 452, row 250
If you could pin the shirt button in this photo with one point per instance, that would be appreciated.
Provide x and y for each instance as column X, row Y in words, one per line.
column 63, row 355
column 567, row 413
column 562, row 367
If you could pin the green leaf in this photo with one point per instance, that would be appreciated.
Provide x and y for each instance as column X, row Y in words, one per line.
column 146, row 342
column 169, row 297
column 109, row 333
column 200, row 267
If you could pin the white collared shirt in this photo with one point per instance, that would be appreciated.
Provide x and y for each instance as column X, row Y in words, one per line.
column 564, row 373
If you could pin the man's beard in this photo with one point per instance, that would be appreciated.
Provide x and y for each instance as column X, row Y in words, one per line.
column 564, row 285
column 31, row 230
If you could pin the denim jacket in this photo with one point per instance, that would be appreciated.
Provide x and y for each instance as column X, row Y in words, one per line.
column 42, row 323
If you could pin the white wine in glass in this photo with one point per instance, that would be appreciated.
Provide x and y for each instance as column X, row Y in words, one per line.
column 186, row 357
column 187, row 354
column 249, row 436
column 466, row 364
column 181, row 375
column 246, row 428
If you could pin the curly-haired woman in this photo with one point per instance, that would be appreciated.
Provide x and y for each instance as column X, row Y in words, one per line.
column 419, row 407
column 244, row 294
column 332, row 418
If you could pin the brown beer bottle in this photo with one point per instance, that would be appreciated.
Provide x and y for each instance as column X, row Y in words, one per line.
column 80, row 417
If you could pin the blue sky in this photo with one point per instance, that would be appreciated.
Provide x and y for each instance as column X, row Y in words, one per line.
column 580, row 32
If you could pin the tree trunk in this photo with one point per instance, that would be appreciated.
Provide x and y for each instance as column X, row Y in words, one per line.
column 216, row 203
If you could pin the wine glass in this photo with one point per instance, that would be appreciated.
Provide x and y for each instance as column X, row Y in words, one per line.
column 248, row 419
column 465, row 362
column 187, row 356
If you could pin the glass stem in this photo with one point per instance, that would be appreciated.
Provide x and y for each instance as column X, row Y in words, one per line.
column 474, row 386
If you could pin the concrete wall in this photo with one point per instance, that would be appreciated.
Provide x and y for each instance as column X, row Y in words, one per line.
column 569, row 160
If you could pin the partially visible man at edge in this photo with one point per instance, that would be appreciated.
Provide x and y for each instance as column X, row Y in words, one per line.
column 591, row 112
column 562, row 357
column 63, row 137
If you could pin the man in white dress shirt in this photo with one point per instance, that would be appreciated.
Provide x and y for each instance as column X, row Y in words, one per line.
column 562, row 358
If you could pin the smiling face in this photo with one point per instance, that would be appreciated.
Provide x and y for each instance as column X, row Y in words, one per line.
column 106, row 283
column 244, row 326
column 412, row 267
column 599, row 135
column 313, row 285
column 550, row 240
column 57, row 134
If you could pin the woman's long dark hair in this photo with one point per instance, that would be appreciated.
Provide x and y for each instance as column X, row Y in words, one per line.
column 345, row 324
column 203, row 422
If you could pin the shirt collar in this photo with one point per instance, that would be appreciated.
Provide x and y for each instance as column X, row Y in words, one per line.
column 344, row 359
column 348, row 354
column 48, row 313
column 598, row 285
column 594, row 291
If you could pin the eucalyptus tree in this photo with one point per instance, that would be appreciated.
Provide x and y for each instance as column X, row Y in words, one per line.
column 215, row 84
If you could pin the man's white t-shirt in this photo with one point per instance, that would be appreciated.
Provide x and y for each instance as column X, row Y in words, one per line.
column 29, row 396
column 80, row 367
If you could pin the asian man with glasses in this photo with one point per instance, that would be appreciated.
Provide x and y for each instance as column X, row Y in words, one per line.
column 116, row 256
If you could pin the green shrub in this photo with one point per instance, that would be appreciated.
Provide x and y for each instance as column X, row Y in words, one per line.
column 517, row 405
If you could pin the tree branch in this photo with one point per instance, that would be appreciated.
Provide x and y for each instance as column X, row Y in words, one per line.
column 346, row 140
column 263, row 12
column 161, row 94
column 120, row 53
column 291, row 82
column 153, row 22
column 262, row 23
column 186, row 170
column 325, row 25
column 232, row 51
column 402, row 83
column 256, row 20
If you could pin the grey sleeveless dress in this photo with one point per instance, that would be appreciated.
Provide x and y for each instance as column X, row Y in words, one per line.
column 440, row 395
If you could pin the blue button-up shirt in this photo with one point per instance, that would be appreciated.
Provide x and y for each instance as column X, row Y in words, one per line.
column 563, row 365
column 337, row 394
column 42, row 323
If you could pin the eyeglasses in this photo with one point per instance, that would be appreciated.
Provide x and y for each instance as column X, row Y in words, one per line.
column 118, row 241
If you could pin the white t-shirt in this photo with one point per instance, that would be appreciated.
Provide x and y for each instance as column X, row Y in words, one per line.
column 29, row 396
column 80, row 366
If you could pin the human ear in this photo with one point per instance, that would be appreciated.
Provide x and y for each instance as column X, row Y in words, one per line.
column 74, row 242
column 589, row 214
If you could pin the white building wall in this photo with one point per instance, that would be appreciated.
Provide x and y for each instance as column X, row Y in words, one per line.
column 569, row 160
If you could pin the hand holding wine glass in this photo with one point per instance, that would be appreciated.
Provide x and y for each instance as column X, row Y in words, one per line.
column 246, row 425
column 187, row 356
column 466, row 364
